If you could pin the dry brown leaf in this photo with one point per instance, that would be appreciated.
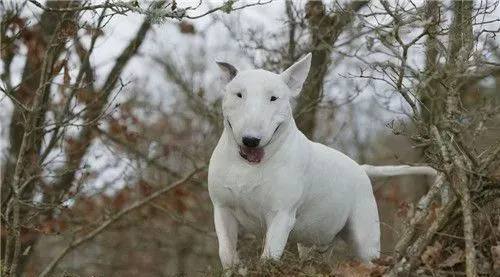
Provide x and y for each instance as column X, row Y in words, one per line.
column 455, row 258
column 94, row 31
column 69, row 29
column 83, row 95
column 145, row 189
column 58, row 65
column 432, row 254
column 186, row 28
column 352, row 269
column 66, row 76
column 495, row 256
column 383, row 261
column 379, row 271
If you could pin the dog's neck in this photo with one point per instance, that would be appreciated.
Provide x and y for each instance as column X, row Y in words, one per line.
column 287, row 132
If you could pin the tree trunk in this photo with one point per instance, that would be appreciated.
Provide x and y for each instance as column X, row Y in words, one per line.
column 38, row 40
column 325, row 30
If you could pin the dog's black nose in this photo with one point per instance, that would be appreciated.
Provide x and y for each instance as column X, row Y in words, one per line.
column 251, row 142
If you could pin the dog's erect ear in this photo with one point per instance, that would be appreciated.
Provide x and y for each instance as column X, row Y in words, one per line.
column 296, row 75
column 228, row 71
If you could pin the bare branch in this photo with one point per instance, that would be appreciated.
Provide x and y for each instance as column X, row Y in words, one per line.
column 84, row 71
column 412, row 253
column 494, row 154
column 93, row 114
column 156, row 14
column 419, row 217
column 228, row 7
column 27, row 141
column 462, row 190
column 138, row 153
column 325, row 31
column 75, row 243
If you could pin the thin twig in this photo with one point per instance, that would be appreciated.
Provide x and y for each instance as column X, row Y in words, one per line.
column 75, row 243
column 455, row 168
column 138, row 153
column 93, row 115
column 125, row 7
column 419, row 217
column 225, row 6
column 494, row 154
column 181, row 220
column 75, row 87
column 412, row 254
column 23, row 151
column 14, row 100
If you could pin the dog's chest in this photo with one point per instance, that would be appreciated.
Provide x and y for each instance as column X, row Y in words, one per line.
column 240, row 187
column 252, row 193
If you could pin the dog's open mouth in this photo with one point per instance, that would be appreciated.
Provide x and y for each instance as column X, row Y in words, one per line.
column 252, row 155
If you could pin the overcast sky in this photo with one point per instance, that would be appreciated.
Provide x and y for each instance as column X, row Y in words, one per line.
column 167, row 40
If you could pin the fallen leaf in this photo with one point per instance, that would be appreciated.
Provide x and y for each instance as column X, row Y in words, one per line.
column 455, row 258
column 432, row 254
column 495, row 256
column 352, row 269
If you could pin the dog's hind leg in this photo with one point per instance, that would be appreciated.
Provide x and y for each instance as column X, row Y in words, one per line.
column 363, row 231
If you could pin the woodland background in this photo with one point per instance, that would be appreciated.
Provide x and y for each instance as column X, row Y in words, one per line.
column 109, row 111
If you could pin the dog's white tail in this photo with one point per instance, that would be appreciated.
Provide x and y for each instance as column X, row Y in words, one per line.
column 397, row 170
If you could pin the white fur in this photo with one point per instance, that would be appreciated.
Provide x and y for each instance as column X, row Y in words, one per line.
column 391, row 170
column 301, row 190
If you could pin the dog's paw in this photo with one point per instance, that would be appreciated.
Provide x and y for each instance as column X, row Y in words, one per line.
column 240, row 271
column 228, row 272
column 243, row 271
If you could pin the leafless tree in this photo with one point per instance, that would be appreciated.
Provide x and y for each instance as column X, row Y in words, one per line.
column 58, row 114
column 434, row 57
column 450, row 128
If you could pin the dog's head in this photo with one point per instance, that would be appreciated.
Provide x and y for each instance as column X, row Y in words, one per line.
column 257, row 102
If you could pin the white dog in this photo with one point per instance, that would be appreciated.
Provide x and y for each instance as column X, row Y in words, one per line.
column 268, row 178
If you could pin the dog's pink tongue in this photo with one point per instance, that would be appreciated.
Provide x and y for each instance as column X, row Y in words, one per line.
column 253, row 155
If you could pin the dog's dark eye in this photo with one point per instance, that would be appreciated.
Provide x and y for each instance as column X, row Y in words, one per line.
column 239, row 95
column 273, row 98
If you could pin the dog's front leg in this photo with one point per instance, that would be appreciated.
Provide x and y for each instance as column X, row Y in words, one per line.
column 226, row 227
column 277, row 234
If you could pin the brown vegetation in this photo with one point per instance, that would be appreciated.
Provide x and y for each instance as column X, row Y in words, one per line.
column 439, row 60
